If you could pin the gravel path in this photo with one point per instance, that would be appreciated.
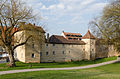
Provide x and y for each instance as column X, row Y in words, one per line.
column 67, row 68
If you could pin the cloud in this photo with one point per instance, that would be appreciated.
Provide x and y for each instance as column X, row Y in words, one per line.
column 67, row 12
column 53, row 7
column 96, row 7
column 86, row 2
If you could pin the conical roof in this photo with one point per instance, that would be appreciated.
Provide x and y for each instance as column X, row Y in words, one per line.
column 88, row 35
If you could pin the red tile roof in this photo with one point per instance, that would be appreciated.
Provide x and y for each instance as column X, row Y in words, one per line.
column 15, row 29
column 67, row 33
column 61, row 40
column 35, row 27
column 88, row 35
column 72, row 36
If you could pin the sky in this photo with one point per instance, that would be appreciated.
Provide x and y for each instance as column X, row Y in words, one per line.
column 66, row 15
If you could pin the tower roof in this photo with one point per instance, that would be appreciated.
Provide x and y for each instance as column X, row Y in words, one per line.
column 88, row 35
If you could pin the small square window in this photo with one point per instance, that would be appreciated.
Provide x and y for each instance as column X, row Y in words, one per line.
column 53, row 44
column 46, row 53
column 46, row 45
column 92, row 49
column 53, row 52
column 33, row 45
column 62, row 45
column 63, row 52
column 33, row 55
column 83, row 49
column 69, row 51
column 40, row 53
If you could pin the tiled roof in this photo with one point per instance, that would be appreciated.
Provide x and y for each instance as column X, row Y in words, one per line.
column 28, row 28
column 31, row 26
column 67, row 33
column 72, row 36
column 61, row 40
column 88, row 35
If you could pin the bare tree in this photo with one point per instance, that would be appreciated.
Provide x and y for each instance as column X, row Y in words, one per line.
column 12, row 12
column 108, row 24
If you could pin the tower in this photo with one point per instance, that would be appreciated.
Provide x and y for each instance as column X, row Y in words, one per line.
column 89, row 39
column 30, row 51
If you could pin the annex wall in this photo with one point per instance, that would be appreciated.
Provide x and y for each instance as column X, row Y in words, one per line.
column 62, row 53
column 103, row 51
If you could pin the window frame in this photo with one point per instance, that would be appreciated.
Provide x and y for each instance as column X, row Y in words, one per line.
column 33, row 55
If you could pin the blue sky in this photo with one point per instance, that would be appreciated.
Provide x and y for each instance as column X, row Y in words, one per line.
column 67, row 15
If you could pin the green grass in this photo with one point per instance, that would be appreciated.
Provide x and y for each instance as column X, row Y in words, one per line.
column 111, row 71
column 21, row 65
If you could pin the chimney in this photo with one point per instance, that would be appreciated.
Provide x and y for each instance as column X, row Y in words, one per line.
column 47, row 37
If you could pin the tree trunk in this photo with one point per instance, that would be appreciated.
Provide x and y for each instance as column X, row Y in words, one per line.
column 11, row 57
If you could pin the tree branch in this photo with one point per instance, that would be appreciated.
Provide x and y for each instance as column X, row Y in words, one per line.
column 22, row 43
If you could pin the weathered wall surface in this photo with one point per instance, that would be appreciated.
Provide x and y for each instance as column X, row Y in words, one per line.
column 30, row 52
column 36, row 50
column 20, row 51
column 103, row 51
column 33, row 47
column 90, row 49
column 62, row 53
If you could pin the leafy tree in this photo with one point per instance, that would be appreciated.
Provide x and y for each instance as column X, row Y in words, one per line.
column 12, row 13
column 108, row 24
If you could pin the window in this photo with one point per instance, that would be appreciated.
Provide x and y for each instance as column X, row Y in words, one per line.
column 63, row 52
column 40, row 53
column 53, row 52
column 63, row 45
column 83, row 49
column 70, row 38
column 92, row 49
column 46, row 53
column 67, row 35
column 46, row 45
column 92, row 42
column 33, row 55
column 69, row 51
column 53, row 44
column 33, row 45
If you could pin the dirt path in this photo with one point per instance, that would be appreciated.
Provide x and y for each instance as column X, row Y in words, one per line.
column 67, row 68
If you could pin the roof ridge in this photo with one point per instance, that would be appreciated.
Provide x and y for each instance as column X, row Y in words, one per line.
column 88, row 35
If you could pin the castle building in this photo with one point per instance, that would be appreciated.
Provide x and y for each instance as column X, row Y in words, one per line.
column 66, row 47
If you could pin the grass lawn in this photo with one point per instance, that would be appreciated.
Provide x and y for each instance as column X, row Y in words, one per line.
column 21, row 65
column 111, row 71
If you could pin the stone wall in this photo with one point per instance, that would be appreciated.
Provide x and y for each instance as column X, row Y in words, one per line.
column 30, row 52
column 103, row 51
column 62, row 53
column 36, row 50
column 20, row 51
column 90, row 49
